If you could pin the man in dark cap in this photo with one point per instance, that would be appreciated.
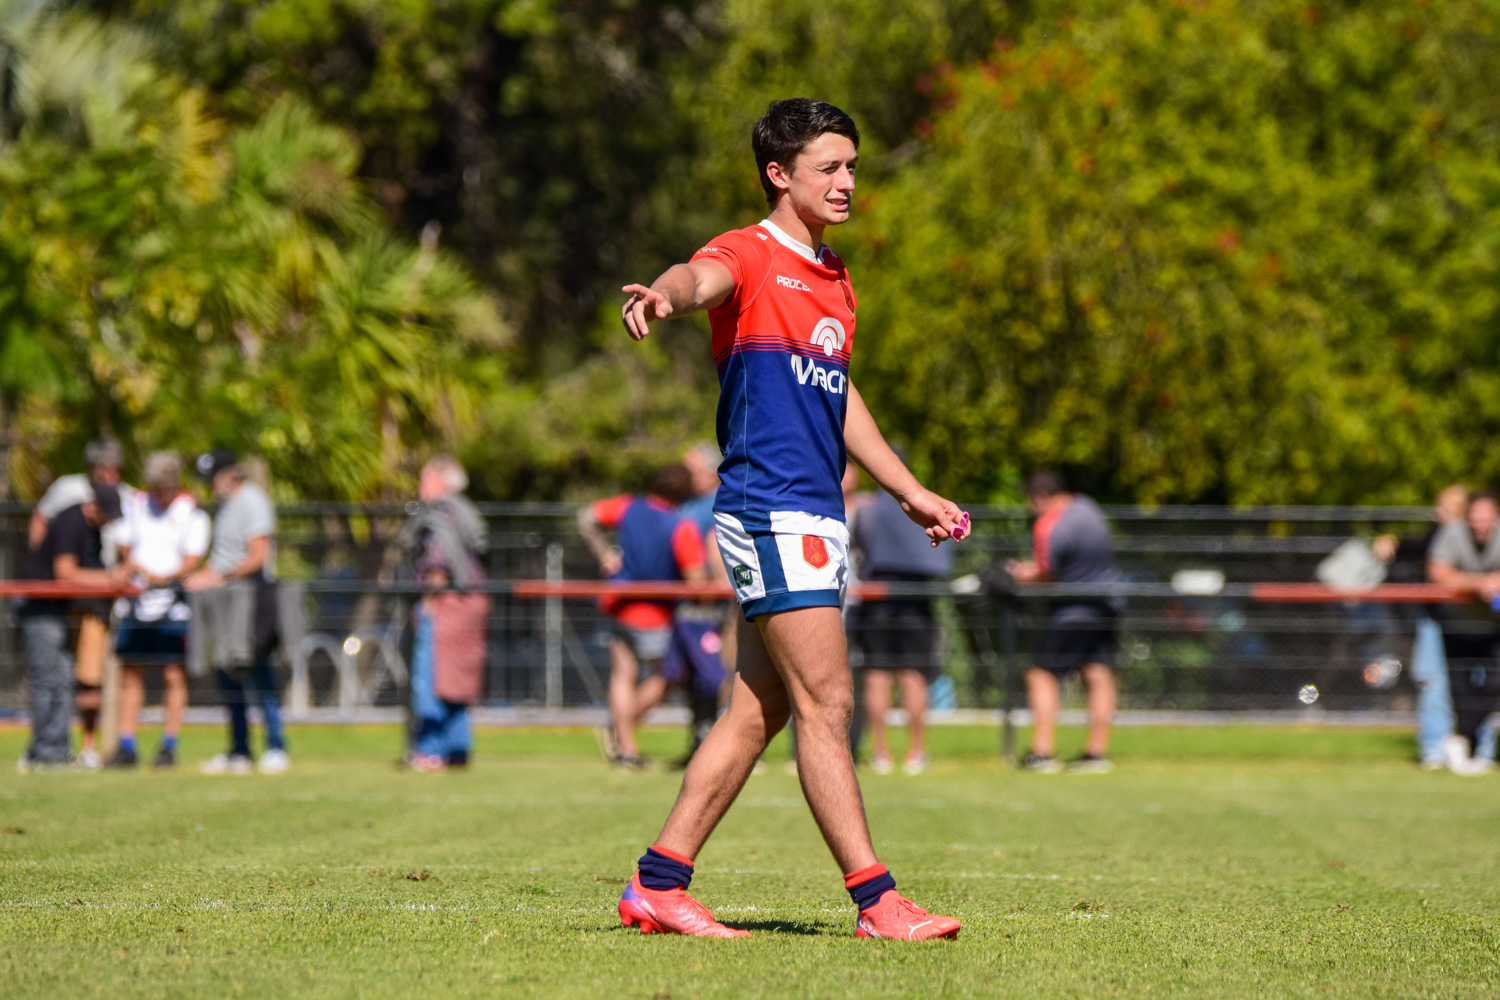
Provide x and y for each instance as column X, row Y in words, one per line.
column 68, row 553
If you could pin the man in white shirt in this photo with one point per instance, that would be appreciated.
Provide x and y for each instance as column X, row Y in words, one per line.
column 163, row 537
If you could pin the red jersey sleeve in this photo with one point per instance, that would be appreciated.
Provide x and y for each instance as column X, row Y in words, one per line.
column 687, row 546
column 744, row 256
column 1041, row 537
column 609, row 512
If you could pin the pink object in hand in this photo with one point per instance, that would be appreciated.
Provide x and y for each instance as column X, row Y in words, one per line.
column 961, row 529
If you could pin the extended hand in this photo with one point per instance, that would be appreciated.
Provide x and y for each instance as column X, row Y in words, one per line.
column 942, row 518
column 643, row 305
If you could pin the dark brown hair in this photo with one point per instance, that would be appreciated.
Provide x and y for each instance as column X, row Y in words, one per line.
column 673, row 483
column 1045, row 483
column 787, row 127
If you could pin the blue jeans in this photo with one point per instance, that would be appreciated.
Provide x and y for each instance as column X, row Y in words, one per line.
column 442, row 726
column 1429, row 672
column 46, row 640
column 237, row 699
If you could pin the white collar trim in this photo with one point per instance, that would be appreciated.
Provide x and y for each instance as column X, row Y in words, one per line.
column 796, row 246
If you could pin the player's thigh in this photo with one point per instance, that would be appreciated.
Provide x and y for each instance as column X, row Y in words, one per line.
column 757, row 685
column 807, row 646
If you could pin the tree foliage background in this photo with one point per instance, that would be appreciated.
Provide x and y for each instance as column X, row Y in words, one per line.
column 1203, row 250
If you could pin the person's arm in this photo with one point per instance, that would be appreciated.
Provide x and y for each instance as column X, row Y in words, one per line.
column 36, row 529
column 689, row 552
column 598, row 543
column 254, row 561
column 1481, row 585
column 681, row 289
column 867, row 446
column 65, row 569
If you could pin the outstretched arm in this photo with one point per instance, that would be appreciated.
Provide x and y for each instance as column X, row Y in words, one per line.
column 867, row 447
column 681, row 289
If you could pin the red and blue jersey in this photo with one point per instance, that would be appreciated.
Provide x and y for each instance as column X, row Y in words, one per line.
column 781, row 344
column 656, row 543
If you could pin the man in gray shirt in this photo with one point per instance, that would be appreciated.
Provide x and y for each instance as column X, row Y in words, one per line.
column 898, row 637
column 1071, row 544
column 244, row 549
column 1465, row 556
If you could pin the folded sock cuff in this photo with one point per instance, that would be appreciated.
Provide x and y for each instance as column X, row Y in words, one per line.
column 864, row 875
column 867, row 885
column 664, row 872
column 671, row 854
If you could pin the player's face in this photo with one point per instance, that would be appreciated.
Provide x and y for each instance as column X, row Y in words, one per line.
column 821, row 182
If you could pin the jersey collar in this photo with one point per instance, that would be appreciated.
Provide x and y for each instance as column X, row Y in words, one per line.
column 796, row 246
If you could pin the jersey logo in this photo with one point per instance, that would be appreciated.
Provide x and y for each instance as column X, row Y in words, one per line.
column 809, row 371
column 829, row 335
column 793, row 284
column 743, row 577
column 814, row 551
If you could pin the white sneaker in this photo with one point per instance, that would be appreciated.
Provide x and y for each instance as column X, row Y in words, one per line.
column 273, row 762
column 225, row 763
column 24, row 765
column 916, row 765
column 881, row 763
column 90, row 760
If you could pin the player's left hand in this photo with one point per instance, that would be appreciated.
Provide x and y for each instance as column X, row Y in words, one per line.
column 941, row 518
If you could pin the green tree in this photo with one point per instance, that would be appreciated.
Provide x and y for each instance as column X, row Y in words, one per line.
column 1195, row 251
column 184, row 282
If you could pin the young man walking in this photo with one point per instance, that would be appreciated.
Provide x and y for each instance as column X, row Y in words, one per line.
column 782, row 312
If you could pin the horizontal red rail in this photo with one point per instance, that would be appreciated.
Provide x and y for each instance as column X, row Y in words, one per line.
column 1390, row 593
column 60, row 590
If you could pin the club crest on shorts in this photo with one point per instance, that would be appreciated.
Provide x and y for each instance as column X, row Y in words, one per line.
column 814, row 551
column 743, row 576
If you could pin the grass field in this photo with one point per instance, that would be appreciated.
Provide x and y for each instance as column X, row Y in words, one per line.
column 1213, row 862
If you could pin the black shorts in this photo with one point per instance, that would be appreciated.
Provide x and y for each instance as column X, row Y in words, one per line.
column 1076, row 637
column 898, row 634
column 151, row 643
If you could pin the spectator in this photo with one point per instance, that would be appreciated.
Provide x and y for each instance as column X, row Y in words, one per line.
column 655, row 543
column 239, row 602
column 1465, row 556
column 1407, row 557
column 103, row 459
column 162, row 538
column 1407, row 562
column 445, row 541
column 702, row 463
column 1071, row 544
column 700, row 658
column 898, row 637
column 69, row 552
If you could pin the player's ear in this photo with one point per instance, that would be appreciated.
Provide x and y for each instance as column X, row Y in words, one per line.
column 780, row 179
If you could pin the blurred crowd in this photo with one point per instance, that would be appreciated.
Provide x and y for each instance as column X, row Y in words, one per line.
column 205, row 598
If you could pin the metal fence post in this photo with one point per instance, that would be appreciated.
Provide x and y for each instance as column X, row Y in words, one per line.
column 554, row 628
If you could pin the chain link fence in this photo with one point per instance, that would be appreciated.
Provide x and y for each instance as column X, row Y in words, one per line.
column 1181, row 647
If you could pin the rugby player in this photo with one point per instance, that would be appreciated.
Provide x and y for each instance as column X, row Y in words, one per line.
column 782, row 311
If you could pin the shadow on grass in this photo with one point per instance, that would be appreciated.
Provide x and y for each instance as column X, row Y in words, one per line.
column 798, row 927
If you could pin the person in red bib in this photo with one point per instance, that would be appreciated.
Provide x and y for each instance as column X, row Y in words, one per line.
column 654, row 542
column 782, row 309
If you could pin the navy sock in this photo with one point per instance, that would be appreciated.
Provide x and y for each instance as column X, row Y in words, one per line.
column 127, row 743
column 170, row 742
column 661, row 869
column 867, row 885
